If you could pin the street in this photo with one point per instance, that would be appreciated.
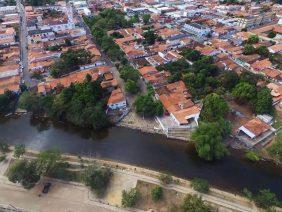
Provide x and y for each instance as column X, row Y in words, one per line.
column 26, row 78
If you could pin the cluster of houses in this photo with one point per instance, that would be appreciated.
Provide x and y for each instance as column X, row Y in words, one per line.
column 213, row 28
column 10, row 65
column 54, row 30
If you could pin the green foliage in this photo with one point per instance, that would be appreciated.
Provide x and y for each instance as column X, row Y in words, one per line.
column 129, row 198
column 4, row 147
column 70, row 61
column 193, row 203
column 249, row 49
column 131, row 87
column 146, row 106
column 24, row 172
column 272, row 34
column 80, row 104
column 248, row 194
column 2, row 158
column 157, row 193
column 150, row 37
column 36, row 75
column 252, row 156
column 146, row 18
column 97, row 178
column 191, row 54
column 127, row 72
column 263, row 51
column 253, row 39
column 8, row 102
column 244, row 92
column 275, row 150
column 208, row 139
column 165, row 178
column 62, row 171
column 200, row 185
column 265, row 198
column 214, row 108
column 46, row 161
column 19, row 150
column 264, row 103
column 229, row 80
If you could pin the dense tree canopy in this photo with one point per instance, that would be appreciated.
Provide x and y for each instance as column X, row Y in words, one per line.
column 275, row 150
column 244, row 92
column 191, row 54
column 229, row 80
column 263, row 103
column 208, row 139
column 150, row 37
column 249, row 49
column 127, row 72
column 8, row 102
column 80, row 104
column 146, row 106
column 263, row 51
column 131, row 87
column 253, row 39
column 70, row 61
column 214, row 108
column 146, row 18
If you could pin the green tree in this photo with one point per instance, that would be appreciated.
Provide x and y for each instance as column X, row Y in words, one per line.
column 97, row 178
column 4, row 147
column 146, row 106
column 19, row 150
column 214, row 108
column 157, row 193
column 263, row 51
column 150, row 37
column 275, row 150
column 46, row 161
column 265, row 198
column 23, row 171
column 8, row 101
column 208, row 141
column 249, row 49
column 146, row 18
column 200, row 185
column 253, row 39
column 129, row 198
column 131, row 87
column 127, row 72
column 191, row 54
column 272, row 34
column 264, row 103
column 244, row 92
column 193, row 203
column 252, row 156
column 229, row 80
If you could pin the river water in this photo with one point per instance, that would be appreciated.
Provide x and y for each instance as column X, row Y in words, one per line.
column 157, row 152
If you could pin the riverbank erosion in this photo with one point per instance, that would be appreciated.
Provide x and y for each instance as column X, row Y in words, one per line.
column 156, row 152
column 124, row 177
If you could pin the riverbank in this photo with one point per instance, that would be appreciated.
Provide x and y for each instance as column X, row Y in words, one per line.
column 128, row 176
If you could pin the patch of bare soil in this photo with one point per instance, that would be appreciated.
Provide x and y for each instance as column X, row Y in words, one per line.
column 169, row 203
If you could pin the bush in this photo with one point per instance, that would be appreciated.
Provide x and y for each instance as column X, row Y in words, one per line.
column 97, row 178
column 2, row 158
column 200, row 185
column 165, row 178
column 4, row 147
column 266, row 199
column 129, row 198
column 24, row 172
column 193, row 203
column 19, row 150
column 252, row 156
column 157, row 193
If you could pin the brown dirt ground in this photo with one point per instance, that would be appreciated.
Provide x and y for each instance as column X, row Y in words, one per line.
column 170, row 202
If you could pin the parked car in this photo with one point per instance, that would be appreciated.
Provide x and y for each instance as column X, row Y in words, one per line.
column 46, row 188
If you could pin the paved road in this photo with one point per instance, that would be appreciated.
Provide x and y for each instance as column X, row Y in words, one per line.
column 23, row 47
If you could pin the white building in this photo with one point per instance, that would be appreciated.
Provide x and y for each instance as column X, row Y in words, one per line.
column 197, row 29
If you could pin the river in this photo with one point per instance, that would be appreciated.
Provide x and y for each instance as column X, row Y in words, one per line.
column 157, row 152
